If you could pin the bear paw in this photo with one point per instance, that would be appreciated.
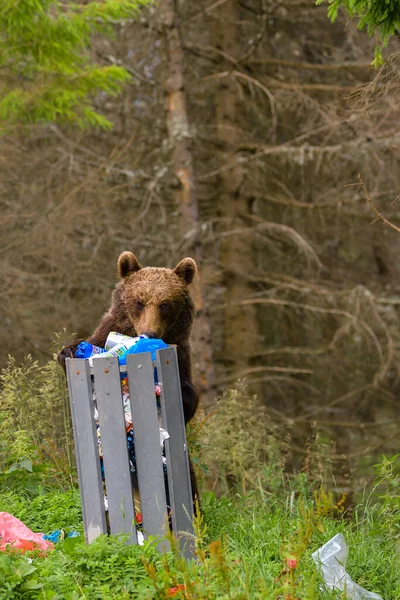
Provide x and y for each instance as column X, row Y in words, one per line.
column 67, row 352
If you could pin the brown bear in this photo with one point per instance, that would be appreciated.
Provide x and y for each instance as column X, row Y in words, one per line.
column 154, row 301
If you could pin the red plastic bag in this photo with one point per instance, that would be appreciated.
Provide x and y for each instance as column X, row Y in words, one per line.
column 15, row 534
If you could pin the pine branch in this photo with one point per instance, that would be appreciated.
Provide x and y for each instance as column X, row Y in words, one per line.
column 44, row 47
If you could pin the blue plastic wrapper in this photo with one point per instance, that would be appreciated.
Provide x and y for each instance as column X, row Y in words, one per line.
column 144, row 345
column 87, row 350
column 59, row 534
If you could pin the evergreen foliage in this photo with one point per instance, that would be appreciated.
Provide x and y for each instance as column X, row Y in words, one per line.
column 381, row 17
column 47, row 71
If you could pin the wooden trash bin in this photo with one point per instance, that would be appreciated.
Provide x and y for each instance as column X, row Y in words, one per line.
column 104, row 379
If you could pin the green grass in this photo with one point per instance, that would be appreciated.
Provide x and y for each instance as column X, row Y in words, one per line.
column 45, row 512
column 244, row 541
column 261, row 518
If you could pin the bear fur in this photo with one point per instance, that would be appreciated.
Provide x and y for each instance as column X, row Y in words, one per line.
column 155, row 301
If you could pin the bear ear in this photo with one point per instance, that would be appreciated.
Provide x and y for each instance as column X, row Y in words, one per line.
column 127, row 264
column 186, row 270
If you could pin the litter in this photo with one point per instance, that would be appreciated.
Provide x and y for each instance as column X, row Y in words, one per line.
column 59, row 534
column 120, row 346
column 331, row 558
column 15, row 534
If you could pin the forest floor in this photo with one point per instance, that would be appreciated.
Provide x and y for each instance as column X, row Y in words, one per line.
column 259, row 525
column 254, row 545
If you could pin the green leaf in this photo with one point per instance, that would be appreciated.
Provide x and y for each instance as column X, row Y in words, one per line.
column 24, row 465
column 378, row 60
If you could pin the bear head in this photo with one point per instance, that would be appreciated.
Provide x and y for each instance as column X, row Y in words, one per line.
column 156, row 301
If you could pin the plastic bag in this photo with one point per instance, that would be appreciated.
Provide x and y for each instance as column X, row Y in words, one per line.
column 331, row 558
column 59, row 535
column 15, row 534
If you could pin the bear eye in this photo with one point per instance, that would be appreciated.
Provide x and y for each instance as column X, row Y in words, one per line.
column 165, row 306
column 139, row 305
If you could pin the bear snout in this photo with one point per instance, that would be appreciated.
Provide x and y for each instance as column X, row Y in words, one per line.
column 150, row 334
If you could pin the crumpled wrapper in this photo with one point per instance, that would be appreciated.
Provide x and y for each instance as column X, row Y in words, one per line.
column 331, row 559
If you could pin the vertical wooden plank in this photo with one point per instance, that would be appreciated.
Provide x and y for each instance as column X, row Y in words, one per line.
column 146, row 429
column 86, row 447
column 179, row 485
column 115, row 451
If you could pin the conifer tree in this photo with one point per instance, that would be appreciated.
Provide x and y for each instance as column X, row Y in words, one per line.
column 46, row 71
column 378, row 17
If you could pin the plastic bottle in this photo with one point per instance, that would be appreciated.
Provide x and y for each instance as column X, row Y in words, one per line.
column 115, row 339
column 121, row 351
column 117, row 351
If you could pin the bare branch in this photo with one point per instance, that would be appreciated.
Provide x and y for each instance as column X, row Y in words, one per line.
column 310, row 66
column 252, row 370
column 379, row 215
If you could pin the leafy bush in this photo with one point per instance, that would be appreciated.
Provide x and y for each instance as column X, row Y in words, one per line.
column 239, row 442
column 257, row 546
column 254, row 541
column 36, row 445
column 45, row 512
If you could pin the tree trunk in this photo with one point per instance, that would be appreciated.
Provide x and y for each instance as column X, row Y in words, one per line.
column 241, row 330
column 185, row 191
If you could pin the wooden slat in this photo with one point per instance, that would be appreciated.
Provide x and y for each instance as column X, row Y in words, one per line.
column 115, row 452
column 86, row 448
column 176, row 449
column 147, row 445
